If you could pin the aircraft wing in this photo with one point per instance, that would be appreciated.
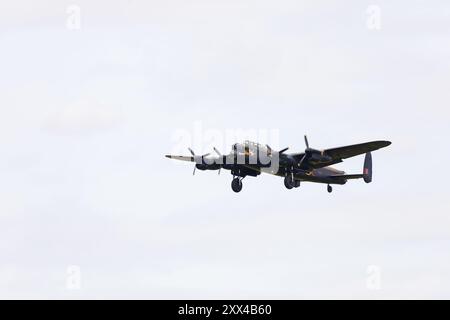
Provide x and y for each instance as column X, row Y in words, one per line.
column 355, row 149
column 338, row 154
column 182, row 158
column 222, row 162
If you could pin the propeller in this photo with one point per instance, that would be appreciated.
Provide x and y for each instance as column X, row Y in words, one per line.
column 301, row 161
column 270, row 150
column 197, row 159
column 317, row 155
column 306, row 150
column 219, row 154
column 193, row 154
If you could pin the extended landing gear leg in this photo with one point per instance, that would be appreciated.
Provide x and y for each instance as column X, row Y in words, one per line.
column 236, row 185
column 329, row 189
column 288, row 182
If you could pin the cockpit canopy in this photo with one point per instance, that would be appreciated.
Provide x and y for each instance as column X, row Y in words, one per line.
column 248, row 147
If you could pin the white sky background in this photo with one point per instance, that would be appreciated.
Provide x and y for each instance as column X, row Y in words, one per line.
column 87, row 115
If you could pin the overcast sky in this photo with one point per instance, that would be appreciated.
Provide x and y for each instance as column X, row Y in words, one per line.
column 94, row 93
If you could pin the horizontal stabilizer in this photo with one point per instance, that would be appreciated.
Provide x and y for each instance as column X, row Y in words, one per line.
column 349, row 176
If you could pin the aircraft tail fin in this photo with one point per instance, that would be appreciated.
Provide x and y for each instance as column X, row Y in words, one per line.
column 367, row 170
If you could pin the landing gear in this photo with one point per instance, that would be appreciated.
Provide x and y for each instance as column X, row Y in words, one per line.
column 289, row 182
column 296, row 183
column 329, row 189
column 236, row 185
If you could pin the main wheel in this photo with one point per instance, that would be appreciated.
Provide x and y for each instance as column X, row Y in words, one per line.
column 288, row 182
column 297, row 183
column 329, row 188
column 236, row 185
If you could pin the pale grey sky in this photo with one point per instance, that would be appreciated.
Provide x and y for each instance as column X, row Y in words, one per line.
column 87, row 115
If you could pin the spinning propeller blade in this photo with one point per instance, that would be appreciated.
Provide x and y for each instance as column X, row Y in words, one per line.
column 306, row 142
column 217, row 151
column 197, row 159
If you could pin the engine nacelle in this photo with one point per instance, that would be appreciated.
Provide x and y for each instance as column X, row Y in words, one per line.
column 204, row 166
column 243, row 172
column 320, row 157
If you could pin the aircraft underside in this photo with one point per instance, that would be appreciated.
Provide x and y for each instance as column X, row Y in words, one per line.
column 293, row 180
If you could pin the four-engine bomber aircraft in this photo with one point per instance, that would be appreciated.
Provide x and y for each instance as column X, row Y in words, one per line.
column 250, row 159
